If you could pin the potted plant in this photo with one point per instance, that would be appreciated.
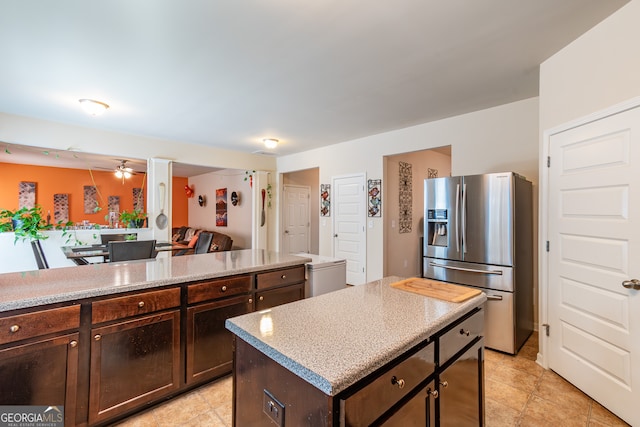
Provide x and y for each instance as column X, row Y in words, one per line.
column 133, row 219
column 26, row 223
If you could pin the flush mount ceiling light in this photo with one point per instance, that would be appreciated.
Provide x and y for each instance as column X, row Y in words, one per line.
column 270, row 143
column 92, row 107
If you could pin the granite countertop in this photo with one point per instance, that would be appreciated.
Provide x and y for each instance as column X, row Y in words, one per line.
column 40, row 287
column 334, row 340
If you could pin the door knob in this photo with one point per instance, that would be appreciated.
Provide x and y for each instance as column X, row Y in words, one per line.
column 286, row 231
column 631, row 284
column 335, row 235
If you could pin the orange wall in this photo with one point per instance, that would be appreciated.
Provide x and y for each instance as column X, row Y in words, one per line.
column 50, row 181
column 180, row 205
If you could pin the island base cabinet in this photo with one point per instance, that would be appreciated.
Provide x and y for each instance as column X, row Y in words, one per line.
column 417, row 412
column 255, row 374
column 132, row 363
column 461, row 390
column 43, row 373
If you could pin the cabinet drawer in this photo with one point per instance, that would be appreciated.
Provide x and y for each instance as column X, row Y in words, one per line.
column 133, row 305
column 281, row 277
column 366, row 405
column 279, row 296
column 213, row 289
column 28, row 325
column 460, row 335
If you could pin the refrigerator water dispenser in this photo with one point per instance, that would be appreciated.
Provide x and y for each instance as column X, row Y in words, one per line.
column 437, row 227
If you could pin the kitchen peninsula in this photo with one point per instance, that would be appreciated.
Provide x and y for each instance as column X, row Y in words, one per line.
column 369, row 354
column 104, row 340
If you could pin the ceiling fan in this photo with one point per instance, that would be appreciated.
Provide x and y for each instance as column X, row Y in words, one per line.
column 123, row 171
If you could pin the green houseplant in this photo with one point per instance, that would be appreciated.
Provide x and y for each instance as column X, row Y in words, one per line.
column 26, row 223
column 133, row 219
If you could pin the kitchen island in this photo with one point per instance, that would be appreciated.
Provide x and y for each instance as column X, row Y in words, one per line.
column 104, row 340
column 369, row 354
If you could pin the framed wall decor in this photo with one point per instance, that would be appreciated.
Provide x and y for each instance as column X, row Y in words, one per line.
column 26, row 195
column 406, row 197
column 221, row 207
column 374, row 197
column 61, row 208
column 325, row 199
column 90, row 199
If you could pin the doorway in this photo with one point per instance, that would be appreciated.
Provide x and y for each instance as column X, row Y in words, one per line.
column 296, row 219
column 309, row 178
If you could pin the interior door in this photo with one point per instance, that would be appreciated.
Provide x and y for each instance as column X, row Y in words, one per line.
column 594, row 234
column 296, row 219
column 349, row 215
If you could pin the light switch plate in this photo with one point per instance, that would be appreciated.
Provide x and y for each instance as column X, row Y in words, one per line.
column 273, row 408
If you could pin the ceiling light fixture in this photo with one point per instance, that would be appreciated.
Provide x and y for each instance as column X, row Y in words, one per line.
column 270, row 143
column 92, row 107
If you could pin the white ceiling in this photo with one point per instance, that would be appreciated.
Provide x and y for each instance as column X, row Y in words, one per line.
column 310, row 73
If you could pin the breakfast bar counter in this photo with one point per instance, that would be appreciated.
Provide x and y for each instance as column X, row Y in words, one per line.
column 41, row 287
column 336, row 345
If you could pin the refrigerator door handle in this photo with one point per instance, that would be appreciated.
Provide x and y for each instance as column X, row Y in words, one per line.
column 469, row 270
column 464, row 218
column 456, row 218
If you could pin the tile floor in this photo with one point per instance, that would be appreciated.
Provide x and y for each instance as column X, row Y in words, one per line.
column 518, row 393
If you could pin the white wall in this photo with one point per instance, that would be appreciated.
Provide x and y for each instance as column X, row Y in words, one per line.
column 492, row 140
column 599, row 69
column 238, row 217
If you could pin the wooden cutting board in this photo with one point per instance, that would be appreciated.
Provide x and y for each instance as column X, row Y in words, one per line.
column 435, row 289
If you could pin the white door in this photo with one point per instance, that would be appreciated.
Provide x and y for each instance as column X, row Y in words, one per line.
column 349, row 216
column 296, row 220
column 594, row 235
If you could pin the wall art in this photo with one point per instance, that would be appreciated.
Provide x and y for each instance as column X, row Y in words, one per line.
column 375, row 197
column 432, row 173
column 138, row 199
column 406, row 198
column 61, row 208
column 325, row 199
column 26, row 195
column 221, row 207
column 114, row 204
column 90, row 199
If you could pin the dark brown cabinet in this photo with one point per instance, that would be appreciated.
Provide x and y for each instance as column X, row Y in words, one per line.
column 134, row 360
column 279, row 296
column 279, row 287
column 40, row 367
column 419, row 411
column 209, row 343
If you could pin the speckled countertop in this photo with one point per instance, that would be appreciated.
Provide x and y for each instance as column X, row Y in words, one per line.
column 40, row 287
column 334, row 340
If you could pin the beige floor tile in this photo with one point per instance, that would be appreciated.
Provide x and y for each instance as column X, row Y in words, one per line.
column 499, row 415
column 208, row 419
column 554, row 414
column 143, row 419
column 181, row 409
column 218, row 392
column 514, row 377
column 525, row 365
column 225, row 412
column 509, row 396
column 602, row 415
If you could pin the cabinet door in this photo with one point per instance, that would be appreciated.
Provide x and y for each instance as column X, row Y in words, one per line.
column 132, row 363
column 279, row 296
column 209, row 343
column 417, row 412
column 43, row 373
column 461, row 390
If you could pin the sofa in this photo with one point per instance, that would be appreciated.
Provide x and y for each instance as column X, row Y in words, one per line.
column 187, row 236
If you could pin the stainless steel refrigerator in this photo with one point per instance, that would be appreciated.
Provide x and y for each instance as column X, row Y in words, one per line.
column 479, row 233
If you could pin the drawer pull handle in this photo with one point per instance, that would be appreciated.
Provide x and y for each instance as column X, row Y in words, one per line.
column 444, row 384
column 14, row 328
column 141, row 304
column 223, row 289
column 97, row 337
column 398, row 382
column 284, row 276
column 250, row 300
column 433, row 393
column 463, row 332
column 73, row 343
column 261, row 298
